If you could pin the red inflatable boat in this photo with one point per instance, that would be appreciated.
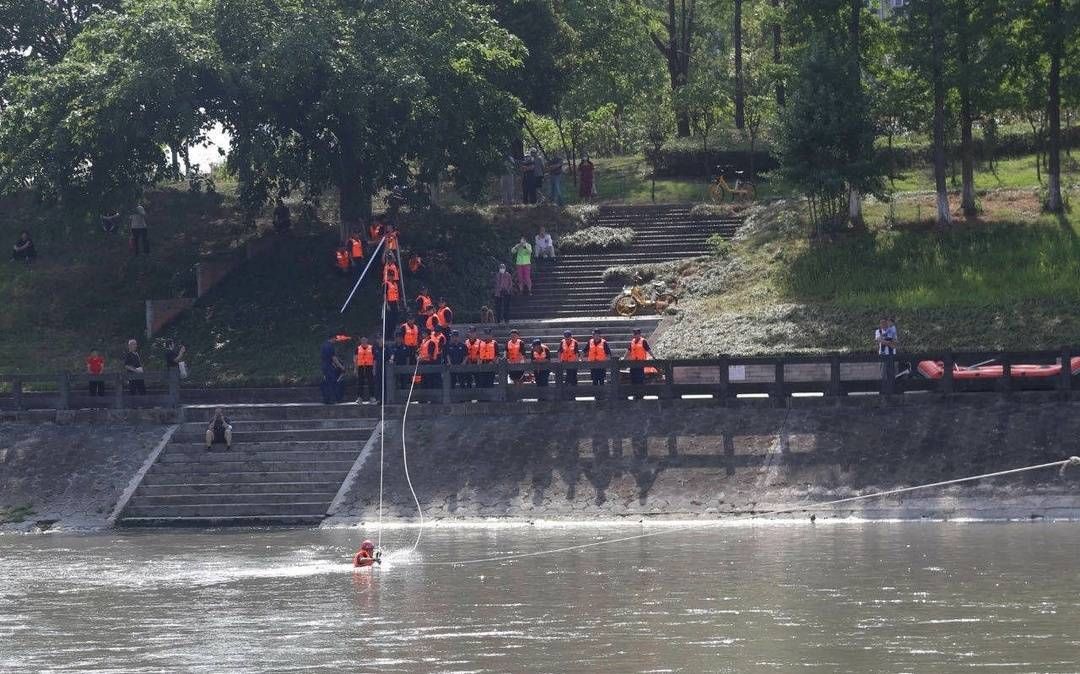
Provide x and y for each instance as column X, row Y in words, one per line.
column 935, row 369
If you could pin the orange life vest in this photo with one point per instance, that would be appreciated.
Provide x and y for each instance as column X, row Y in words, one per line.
column 415, row 262
column 596, row 350
column 390, row 272
column 365, row 355
column 410, row 335
column 472, row 347
column 432, row 322
column 514, row 351
column 429, row 354
column 444, row 316
column 425, row 304
column 393, row 296
column 487, row 351
column 441, row 339
column 568, row 350
column 543, row 353
column 391, row 241
column 356, row 246
column 637, row 349
column 363, row 558
column 341, row 259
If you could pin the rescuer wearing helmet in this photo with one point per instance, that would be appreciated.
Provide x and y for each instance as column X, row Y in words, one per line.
column 366, row 555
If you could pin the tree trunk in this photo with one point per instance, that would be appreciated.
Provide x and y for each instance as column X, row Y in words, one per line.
column 740, row 92
column 967, row 159
column 676, row 51
column 855, row 214
column 937, row 39
column 1054, row 202
column 776, row 55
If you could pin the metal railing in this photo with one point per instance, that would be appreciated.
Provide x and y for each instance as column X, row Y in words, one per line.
column 65, row 390
column 723, row 379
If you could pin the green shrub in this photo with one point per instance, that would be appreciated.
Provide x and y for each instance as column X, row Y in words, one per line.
column 720, row 246
column 592, row 239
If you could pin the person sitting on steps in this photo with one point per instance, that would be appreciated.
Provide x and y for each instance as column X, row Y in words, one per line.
column 219, row 430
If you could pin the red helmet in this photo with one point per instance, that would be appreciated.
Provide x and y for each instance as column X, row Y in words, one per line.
column 367, row 545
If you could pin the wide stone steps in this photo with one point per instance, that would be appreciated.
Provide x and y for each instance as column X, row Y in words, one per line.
column 293, row 412
column 286, row 465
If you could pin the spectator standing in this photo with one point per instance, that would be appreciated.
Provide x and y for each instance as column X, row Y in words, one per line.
column 586, row 186
column 456, row 354
column 282, row 217
column 545, row 247
column 538, row 174
column 598, row 351
column 528, row 179
column 504, row 287
column 134, row 368
column 139, row 231
column 174, row 359
column 219, row 430
column 506, row 180
column 522, row 253
column 95, row 368
column 555, row 168
column 24, row 249
column 885, row 338
column 365, row 372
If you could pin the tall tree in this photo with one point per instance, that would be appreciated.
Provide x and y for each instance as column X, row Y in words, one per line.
column 936, row 18
column 1056, row 25
column 42, row 30
column 740, row 85
column 677, row 47
column 777, row 58
column 855, row 10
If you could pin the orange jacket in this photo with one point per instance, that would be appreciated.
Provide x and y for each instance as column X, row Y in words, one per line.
column 365, row 355
column 597, row 350
column 637, row 351
column 568, row 350
column 515, row 351
column 410, row 335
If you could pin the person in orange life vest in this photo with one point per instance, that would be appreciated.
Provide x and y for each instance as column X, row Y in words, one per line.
column 392, row 245
column 365, row 556
column 487, row 353
column 375, row 232
column 365, row 372
column 472, row 356
column 597, row 350
column 431, row 354
column 541, row 354
column 390, row 270
column 416, row 263
column 515, row 354
column 569, row 352
column 424, row 304
column 410, row 334
column 431, row 322
column 355, row 244
column 444, row 313
column 342, row 262
column 392, row 292
column 638, row 351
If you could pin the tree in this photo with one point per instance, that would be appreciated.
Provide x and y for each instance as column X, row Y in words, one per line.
column 777, row 59
column 677, row 47
column 1056, row 26
column 826, row 136
column 42, row 30
column 740, row 86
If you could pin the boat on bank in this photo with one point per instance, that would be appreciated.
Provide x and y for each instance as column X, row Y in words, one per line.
column 935, row 369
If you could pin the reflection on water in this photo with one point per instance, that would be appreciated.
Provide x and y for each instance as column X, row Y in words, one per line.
column 770, row 597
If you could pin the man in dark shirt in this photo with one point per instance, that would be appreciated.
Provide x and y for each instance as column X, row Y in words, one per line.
column 134, row 368
column 402, row 357
column 456, row 354
column 331, row 372
column 174, row 354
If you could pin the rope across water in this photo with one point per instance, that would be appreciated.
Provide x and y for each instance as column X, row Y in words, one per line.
column 1063, row 464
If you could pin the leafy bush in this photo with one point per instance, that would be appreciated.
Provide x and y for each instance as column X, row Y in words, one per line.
column 720, row 246
column 592, row 239
column 630, row 274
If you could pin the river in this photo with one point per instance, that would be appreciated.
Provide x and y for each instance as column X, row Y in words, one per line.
column 824, row 597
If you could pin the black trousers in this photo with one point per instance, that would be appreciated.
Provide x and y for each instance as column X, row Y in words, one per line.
column 137, row 387
column 599, row 375
column 888, row 374
column 502, row 309
column 139, row 236
column 528, row 188
column 365, row 381
column 97, row 387
column 570, row 378
column 460, row 380
column 542, row 377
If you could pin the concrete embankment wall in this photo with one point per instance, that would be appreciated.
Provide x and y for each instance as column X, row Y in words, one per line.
column 691, row 458
column 71, row 475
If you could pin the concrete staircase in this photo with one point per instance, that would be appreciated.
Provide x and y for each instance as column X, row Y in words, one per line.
column 286, row 465
column 573, row 287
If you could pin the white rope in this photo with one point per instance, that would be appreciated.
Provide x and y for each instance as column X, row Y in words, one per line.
column 1071, row 461
column 374, row 254
column 405, row 455
column 382, row 419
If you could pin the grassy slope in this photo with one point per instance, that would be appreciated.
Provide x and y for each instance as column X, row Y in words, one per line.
column 1008, row 280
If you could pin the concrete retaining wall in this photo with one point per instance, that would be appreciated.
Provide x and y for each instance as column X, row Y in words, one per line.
column 677, row 459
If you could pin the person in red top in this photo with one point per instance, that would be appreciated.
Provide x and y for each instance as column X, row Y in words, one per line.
column 390, row 271
column 366, row 555
column 355, row 244
column 95, row 366
column 375, row 232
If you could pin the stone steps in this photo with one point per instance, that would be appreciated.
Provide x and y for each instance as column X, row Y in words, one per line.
column 236, row 488
column 224, row 520
column 256, row 453
column 249, row 466
column 226, row 498
column 243, row 477
column 266, row 511
column 302, row 435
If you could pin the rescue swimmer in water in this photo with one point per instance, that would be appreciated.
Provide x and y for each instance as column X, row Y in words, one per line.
column 367, row 555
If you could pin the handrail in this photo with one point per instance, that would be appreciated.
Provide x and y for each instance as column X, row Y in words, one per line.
column 722, row 378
